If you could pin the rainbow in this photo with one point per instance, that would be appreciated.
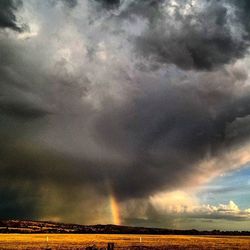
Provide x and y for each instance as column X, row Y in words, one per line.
column 115, row 210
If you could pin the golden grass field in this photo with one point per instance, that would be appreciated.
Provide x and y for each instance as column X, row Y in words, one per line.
column 81, row 241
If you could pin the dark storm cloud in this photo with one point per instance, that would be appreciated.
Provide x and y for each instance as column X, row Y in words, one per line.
column 18, row 98
column 243, row 12
column 70, row 3
column 109, row 3
column 16, row 201
column 169, row 129
column 71, row 121
column 201, row 38
column 25, row 110
column 7, row 14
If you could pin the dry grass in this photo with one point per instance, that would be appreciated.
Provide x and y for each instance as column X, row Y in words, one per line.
column 77, row 241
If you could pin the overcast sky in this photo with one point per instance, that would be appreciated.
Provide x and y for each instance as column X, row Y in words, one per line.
column 147, row 101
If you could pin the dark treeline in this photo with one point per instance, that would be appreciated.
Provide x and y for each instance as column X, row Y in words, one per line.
column 17, row 226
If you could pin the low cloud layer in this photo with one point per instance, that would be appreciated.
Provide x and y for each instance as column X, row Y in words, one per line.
column 181, row 204
column 182, row 210
column 130, row 96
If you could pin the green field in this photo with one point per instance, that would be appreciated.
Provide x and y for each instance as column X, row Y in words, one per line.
column 81, row 241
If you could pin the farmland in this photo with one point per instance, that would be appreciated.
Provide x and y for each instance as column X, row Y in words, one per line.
column 81, row 241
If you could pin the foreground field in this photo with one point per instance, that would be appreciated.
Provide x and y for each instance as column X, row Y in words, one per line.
column 72, row 241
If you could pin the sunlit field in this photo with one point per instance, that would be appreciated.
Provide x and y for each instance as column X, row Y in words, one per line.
column 77, row 241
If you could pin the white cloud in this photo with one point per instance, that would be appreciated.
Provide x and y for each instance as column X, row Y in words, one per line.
column 173, row 202
column 181, row 204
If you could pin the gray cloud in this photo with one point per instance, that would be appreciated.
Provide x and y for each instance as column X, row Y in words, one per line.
column 70, row 3
column 109, row 3
column 202, row 217
column 7, row 14
column 202, row 38
column 104, row 99
column 203, row 35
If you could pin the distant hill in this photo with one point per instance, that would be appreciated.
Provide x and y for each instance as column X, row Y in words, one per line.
column 28, row 226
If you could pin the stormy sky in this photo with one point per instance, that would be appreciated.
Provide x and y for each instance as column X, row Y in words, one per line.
column 144, row 100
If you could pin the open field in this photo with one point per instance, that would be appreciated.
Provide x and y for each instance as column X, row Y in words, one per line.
column 81, row 241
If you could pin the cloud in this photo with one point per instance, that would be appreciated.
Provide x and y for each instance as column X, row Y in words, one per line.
column 190, row 34
column 18, row 108
column 70, row 3
column 84, row 103
column 182, row 210
column 184, row 205
column 228, row 211
column 176, row 202
column 202, row 35
column 109, row 3
column 7, row 14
